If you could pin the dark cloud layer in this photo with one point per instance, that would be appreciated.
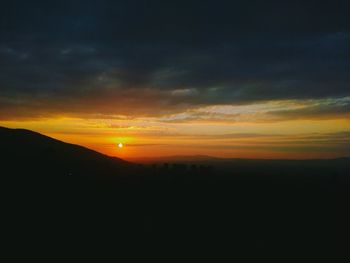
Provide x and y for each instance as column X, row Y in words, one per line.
column 114, row 57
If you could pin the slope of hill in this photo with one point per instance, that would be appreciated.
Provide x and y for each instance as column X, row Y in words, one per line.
column 26, row 153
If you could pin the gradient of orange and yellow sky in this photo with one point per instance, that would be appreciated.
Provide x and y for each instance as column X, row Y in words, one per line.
column 274, row 129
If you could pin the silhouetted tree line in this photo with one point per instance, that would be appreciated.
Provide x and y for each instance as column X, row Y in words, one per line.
column 179, row 168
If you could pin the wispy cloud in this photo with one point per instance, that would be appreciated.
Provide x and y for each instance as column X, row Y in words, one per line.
column 269, row 111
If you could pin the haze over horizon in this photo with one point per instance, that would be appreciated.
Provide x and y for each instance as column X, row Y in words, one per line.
column 240, row 79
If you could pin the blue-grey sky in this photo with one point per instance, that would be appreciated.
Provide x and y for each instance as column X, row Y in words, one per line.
column 161, row 56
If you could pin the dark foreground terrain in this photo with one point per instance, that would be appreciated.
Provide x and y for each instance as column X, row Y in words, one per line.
column 61, row 197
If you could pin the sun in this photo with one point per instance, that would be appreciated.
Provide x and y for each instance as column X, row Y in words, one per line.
column 120, row 145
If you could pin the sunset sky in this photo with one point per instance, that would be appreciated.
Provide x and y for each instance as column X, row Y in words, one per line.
column 247, row 79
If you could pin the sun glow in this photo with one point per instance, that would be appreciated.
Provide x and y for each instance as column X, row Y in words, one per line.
column 152, row 137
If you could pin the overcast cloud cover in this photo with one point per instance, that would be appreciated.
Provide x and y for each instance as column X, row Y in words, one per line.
column 154, row 58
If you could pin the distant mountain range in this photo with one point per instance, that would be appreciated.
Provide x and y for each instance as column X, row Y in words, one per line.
column 237, row 162
column 211, row 159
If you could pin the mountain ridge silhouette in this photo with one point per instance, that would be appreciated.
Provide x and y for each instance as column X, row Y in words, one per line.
column 28, row 152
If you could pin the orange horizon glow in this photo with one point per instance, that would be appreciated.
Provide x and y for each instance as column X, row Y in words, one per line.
column 144, row 138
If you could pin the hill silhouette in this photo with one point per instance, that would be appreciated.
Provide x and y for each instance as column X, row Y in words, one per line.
column 26, row 153
column 54, row 190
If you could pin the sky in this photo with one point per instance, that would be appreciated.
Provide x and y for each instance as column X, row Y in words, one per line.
column 246, row 79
